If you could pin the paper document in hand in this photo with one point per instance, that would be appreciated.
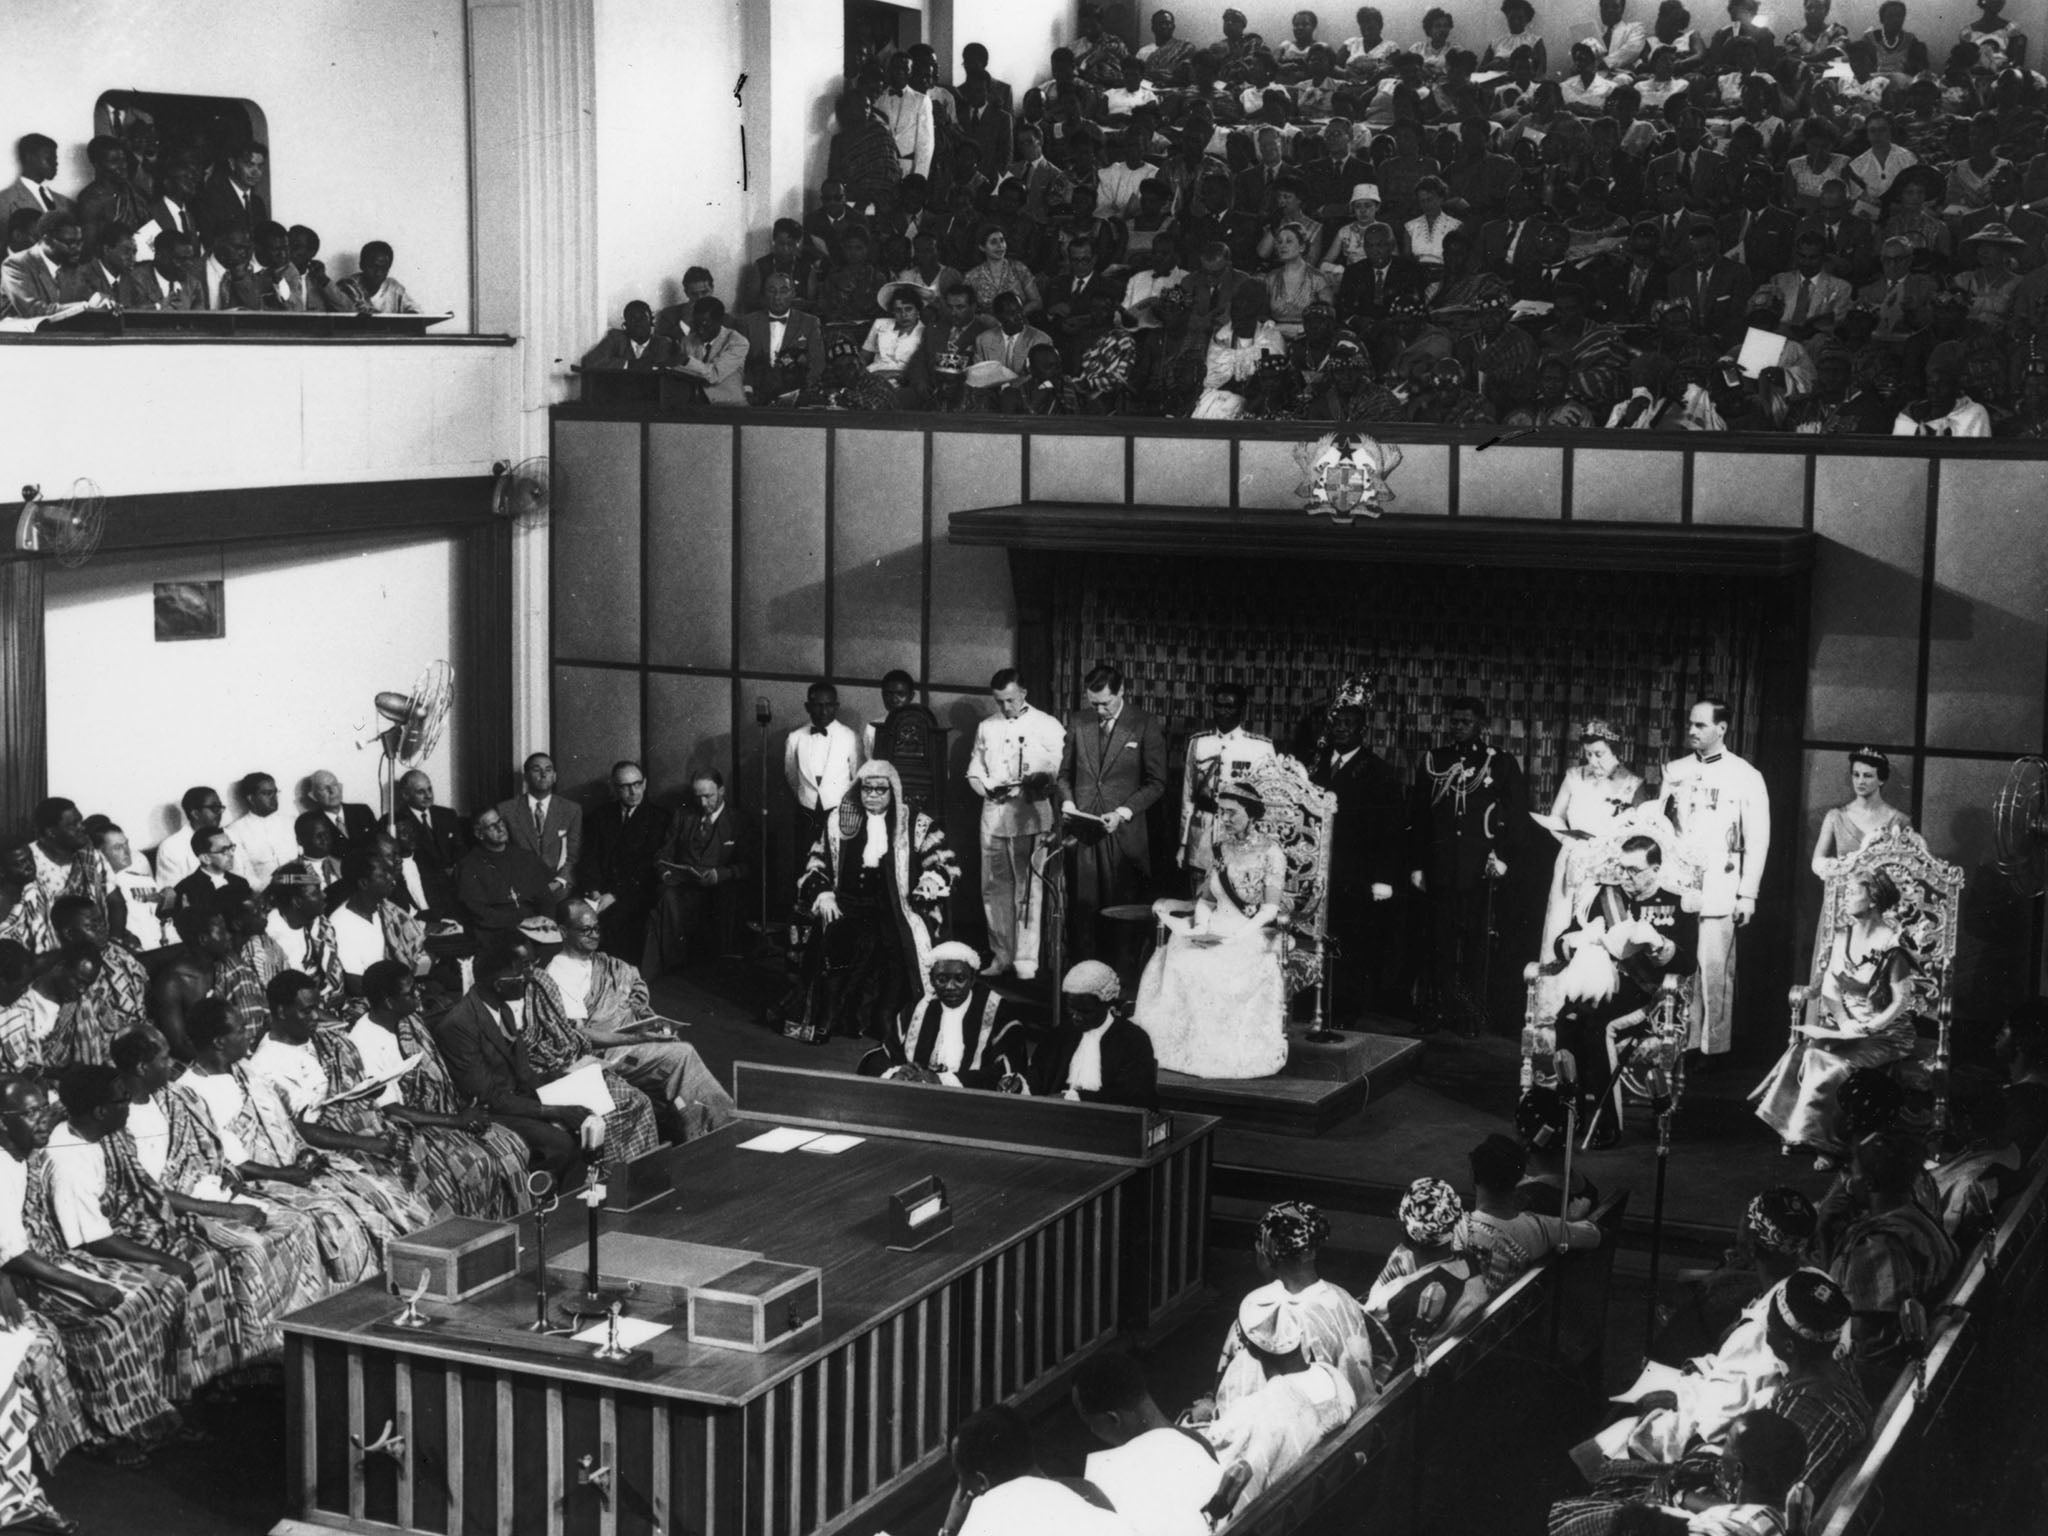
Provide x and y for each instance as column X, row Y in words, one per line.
column 370, row 1086
column 783, row 1138
column 1760, row 350
column 585, row 1087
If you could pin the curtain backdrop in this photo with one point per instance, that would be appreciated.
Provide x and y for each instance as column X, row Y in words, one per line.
column 1543, row 650
column 23, row 722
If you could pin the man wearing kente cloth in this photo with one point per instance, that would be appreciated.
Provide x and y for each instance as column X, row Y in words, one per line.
column 1722, row 811
column 1617, row 952
column 1467, row 801
column 960, row 1033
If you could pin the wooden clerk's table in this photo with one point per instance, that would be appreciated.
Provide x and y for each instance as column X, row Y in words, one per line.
column 1066, row 1229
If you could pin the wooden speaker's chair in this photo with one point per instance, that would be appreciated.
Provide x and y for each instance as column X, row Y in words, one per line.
column 1663, row 1045
column 1300, row 817
column 1927, row 918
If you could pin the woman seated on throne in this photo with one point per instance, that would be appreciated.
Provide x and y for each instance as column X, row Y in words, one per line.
column 1858, row 1018
column 876, row 882
column 1212, row 997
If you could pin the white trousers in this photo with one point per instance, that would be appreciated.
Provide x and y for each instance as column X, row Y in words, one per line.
column 1011, row 900
column 1713, row 1007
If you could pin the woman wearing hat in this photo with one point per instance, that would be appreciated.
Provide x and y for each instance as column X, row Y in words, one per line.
column 1909, row 215
column 1991, row 283
column 1591, row 798
column 1860, row 1018
column 1429, row 1258
column 876, row 882
column 1212, row 997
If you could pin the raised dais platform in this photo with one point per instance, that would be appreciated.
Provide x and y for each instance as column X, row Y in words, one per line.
column 1328, row 1077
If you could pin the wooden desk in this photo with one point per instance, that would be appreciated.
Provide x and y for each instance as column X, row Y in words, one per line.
column 1165, row 1215
column 718, row 1442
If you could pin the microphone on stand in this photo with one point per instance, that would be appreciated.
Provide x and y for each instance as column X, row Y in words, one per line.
column 762, row 712
column 1660, row 1091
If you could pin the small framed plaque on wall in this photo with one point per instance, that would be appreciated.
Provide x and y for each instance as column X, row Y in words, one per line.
column 191, row 610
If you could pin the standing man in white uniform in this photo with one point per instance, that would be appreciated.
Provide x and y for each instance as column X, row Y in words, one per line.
column 1015, row 761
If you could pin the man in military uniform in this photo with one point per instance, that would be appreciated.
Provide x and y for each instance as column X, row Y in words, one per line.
column 1645, row 929
column 1224, row 752
column 1468, row 800
column 1367, row 845
column 1722, row 810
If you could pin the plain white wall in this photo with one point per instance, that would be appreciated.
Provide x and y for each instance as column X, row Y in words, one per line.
column 668, row 148
column 314, row 632
column 367, row 108
column 1020, row 35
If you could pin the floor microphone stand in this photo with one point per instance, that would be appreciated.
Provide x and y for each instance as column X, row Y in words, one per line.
column 1663, row 1104
column 1050, row 868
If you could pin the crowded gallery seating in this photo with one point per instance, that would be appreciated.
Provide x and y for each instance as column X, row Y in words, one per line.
column 976, row 979
column 1668, row 223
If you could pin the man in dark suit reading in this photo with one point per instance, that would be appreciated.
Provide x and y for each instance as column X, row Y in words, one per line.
column 702, row 874
column 1634, row 934
column 1112, row 773
column 619, row 873
column 483, row 1039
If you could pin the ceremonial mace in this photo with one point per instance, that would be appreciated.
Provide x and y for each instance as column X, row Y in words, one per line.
column 593, row 1300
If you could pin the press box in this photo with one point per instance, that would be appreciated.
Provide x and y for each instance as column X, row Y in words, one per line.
column 461, row 1257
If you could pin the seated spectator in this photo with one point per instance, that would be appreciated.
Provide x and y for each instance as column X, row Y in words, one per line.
column 1043, row 183
column 36, row 284
column 500, row 886
column 961, row 1033
column 264, row 840
column 1006, row 346
column 1130, row 91
column 373, row 290
column 606, row 1000
column 1001, row 1491
column 174, row 204
column 1156, row 1474
column 214, row 882
column 322, row 297
column 634, row 348
column 1775, row 1237
column 952, row 345
column 1235, row 352
column 1371, row 284
column 1506, row 1238
column 109, row 1004
column 1080, row 302
column 177, row 272
column 21, row 231
column 824, row 224
column 32, row 191
column 790, row 255
column 847, row 386
column 316, row 836
column 1299, row 1402
column 368, row 925
column 1805, row 299
column 1429, row 1287
column 279, row 284
column 1892, row 1251
column 785, row 345
column 894, row 349
column 1045, row 389
column 1745, row 1494
column 230, row 269
column 846, row 301
column 176, row 857
column 1329, row 1323
column 1943, row 409
column 148, row 914
column 714, row 354
column 1167, row 56
column 1098, row 1055
column 35, row 992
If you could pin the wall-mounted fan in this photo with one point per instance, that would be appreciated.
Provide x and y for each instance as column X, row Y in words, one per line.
column 68, row 530
column 417, row 718
column 520, row 491
column 2019, row 817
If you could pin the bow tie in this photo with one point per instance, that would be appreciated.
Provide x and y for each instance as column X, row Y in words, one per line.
column 816, row 730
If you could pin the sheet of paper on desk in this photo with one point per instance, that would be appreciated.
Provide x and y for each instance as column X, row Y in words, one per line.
column 633, row 1332
column 783, row 1138
column 837, row 1142
column 585, row 1087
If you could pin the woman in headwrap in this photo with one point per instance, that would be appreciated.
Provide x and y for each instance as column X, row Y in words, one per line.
column 1776, row 1236
column 877, row 882
column 1429, row 1287
column 1325, row 1324
column 1212, row 997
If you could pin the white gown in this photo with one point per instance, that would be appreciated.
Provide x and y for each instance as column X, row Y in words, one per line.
column 1218, row 1009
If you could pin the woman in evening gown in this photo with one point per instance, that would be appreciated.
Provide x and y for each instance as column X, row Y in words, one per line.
column 1847, row 828
column 1593, row 796
column 1858, row 1018
column 1212, row 997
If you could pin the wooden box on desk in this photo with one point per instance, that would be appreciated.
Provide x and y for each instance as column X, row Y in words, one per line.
column 756, row 1306
column 461, row 1257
